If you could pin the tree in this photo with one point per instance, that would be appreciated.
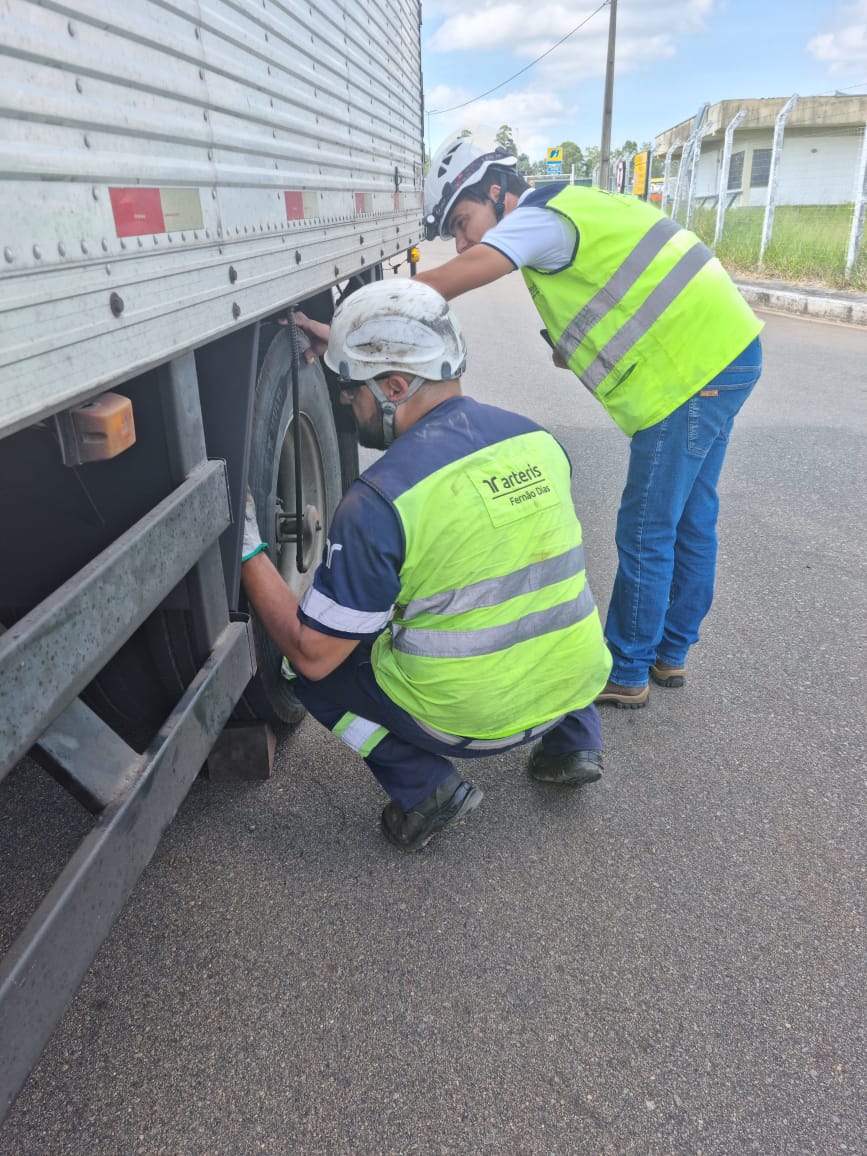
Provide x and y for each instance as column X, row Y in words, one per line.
column 572, row 155
column 591, row 160
column 506, row 140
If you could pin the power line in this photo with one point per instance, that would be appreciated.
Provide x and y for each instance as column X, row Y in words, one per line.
column 844, row 91
column 526, row 68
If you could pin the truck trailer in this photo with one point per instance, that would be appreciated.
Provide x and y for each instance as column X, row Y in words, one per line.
column 176, row 176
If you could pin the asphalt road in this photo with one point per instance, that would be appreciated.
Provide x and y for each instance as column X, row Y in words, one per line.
column 669, row 961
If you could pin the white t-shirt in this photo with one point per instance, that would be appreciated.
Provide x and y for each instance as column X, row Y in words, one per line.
column 536, row 236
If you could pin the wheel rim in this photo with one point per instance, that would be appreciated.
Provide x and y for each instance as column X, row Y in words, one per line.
column 315, row 512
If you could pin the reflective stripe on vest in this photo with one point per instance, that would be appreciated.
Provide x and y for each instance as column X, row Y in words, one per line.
column 673, row 283
column 645, row 315
column 490, row 639
column 502, row 744
column 495, row 631
column 616, row 288
column 490, row 591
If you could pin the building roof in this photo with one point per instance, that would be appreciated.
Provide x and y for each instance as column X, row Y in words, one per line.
column 810, row 112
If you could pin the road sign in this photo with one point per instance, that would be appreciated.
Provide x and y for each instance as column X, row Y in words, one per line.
column 555, row 155
column 555, row 168
column 640, row 167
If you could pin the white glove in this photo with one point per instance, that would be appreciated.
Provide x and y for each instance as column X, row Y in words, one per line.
column 253, row 543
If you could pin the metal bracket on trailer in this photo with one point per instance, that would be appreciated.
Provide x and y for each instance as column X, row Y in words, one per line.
column 86, row 757
column 50, row 655
column 45, row 966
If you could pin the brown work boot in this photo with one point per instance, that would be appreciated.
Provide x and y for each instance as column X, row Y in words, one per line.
column 624, row 697
column 664, row 674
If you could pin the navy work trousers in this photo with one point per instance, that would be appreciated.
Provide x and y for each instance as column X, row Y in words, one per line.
column 409, row 763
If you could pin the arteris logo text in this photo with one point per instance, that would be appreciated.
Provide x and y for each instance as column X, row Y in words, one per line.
column 516, row 480
column 524, row 491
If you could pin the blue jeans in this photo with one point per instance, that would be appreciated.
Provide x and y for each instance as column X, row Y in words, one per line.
column 666, row 526
column 408, row 763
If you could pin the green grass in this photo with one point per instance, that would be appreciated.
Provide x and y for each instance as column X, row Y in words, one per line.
column 808, row 245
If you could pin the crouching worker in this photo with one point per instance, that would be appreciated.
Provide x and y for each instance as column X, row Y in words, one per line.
column 450, row 616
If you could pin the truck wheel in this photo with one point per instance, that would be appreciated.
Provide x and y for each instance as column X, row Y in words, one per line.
column 271, row 478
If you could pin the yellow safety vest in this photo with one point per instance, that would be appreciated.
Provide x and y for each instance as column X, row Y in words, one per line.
column 645, row 315
column 495, row 630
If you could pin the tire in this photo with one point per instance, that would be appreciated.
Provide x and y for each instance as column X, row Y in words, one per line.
column 271, row 478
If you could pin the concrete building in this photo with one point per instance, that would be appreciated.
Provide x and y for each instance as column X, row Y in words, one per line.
column 820, row 159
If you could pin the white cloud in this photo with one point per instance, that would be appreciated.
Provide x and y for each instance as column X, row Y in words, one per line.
column 507, row 25
column 845, row 47
column 529, row 28
column 561, row 97
column 532, row 114
column 646, row 32
column 584, row 62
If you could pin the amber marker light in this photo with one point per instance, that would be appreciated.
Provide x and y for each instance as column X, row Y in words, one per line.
column 104, row 427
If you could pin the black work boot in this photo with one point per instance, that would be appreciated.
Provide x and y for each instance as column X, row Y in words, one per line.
column 573, row 769
column 411, row 830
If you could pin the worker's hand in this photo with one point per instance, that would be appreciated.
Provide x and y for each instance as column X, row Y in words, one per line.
column 253, row 543
column 317, row 332
column 555, row 354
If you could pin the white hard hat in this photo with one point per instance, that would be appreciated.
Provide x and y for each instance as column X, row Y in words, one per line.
column 458, row 163
column 396, row 325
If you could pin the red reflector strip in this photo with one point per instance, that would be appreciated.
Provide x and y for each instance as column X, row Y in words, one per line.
column 301, row 206
column 294, row 206
column 137, row 211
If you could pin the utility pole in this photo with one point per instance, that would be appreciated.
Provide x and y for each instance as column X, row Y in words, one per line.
column 608, row 99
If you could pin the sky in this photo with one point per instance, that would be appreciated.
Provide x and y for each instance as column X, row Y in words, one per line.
column 671, row 57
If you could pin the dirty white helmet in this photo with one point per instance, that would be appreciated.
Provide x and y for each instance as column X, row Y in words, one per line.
column 401, row 326
column 458, row 163
column 396, row 325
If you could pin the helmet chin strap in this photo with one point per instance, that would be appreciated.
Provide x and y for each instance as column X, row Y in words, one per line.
column 500, row 203
column 387, row 407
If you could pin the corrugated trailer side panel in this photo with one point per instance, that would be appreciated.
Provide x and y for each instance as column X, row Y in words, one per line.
column 169, row 171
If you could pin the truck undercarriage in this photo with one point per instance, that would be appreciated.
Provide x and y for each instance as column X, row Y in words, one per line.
column 172, row 183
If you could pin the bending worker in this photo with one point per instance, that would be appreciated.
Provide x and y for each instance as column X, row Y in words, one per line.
column 649, row 321
column 450, row 616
